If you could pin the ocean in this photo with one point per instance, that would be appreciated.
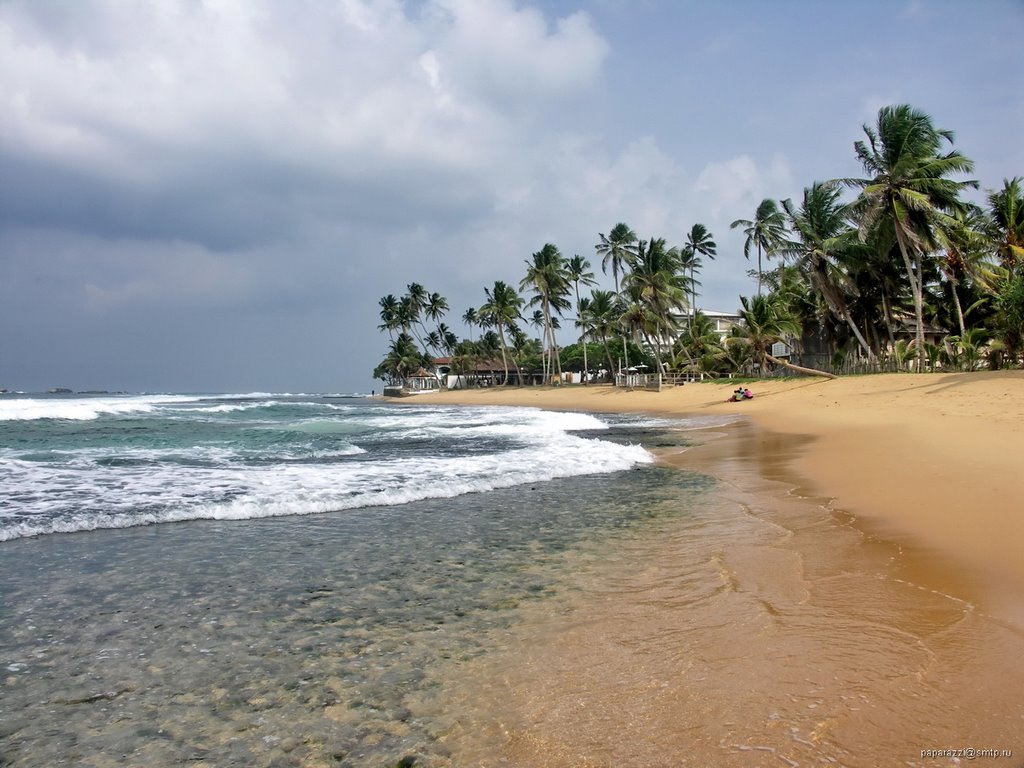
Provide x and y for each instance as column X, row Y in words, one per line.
column 266, row 579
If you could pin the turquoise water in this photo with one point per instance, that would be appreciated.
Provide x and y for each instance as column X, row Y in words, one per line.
column 320, row 637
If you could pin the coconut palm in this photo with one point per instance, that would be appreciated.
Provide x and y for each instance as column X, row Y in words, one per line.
column 908, row 194
column 766, row 320
column 824, row 238
column 655, row 294
column 766, row 232
column 501, row 311
column 416, row 299
column 966, row 261
column 700, row 341
column 402, row 359
column 617, row 249
column 548, row 277
column 388, row 315
column 698, row 243
column 579, row 274
column 1006, row 208
column 435, row 307
column 966, row 348
column 410, row 313
column 601, row 317
column 471, row 319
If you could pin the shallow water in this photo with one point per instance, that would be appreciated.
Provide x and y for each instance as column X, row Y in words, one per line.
column 319, row 640
column 760, row 629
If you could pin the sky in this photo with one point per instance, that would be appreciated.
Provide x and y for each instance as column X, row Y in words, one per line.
column 213, row 195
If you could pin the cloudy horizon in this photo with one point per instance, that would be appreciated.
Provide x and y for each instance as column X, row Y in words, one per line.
column 212, row 195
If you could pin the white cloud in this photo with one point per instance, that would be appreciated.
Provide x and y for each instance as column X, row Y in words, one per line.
column 346, row 86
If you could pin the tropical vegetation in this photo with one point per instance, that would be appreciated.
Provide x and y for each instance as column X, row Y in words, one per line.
column 894, row 269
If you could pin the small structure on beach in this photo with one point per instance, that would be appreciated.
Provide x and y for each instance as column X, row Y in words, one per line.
column 421, row 382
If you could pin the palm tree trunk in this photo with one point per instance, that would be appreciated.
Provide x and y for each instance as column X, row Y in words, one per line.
column 857, row 334
column 504, row 352
column 959, row 310
column 608, row 353
column 799, row 369
column 914, row 276
column 758, row 269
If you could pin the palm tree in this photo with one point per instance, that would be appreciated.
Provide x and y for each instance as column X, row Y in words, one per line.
column 967, row 257
column 388, row 315
column 579, row 274
column 823, row 238
column 698, row 243
column 416, row 296
column 1006, row 207
column 471, row 319
column 402, row 358
column 501, row 311
column 410, row 312
column 766, row 320
column 701, row 342
column 655, row 292
column 448, row 338
column 602, row 320
column 547, row 275
column 767, row 232
column 436, row 307
column 908, row 194
column 617, row 249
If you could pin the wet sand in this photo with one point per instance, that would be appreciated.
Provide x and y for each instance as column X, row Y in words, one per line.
column 855, row 597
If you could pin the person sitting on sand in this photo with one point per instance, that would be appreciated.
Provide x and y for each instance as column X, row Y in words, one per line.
column 741, row 393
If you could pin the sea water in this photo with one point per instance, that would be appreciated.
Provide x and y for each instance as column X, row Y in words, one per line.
column 286, row 579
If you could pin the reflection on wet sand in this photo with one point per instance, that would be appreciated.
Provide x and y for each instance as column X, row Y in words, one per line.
column 760, row 629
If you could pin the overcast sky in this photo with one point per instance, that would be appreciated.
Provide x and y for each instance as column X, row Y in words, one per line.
column 212, row 195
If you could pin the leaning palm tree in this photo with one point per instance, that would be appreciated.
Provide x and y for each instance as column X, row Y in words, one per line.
column 824, row 238
column 579, row 273
column 548, row 277
column 766, row 232
column 766, row 320
column 698, row 243
column 617, row 249
column 501, row 311
column 908, row 194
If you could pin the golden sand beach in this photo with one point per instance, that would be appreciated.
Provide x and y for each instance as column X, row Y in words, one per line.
column 869, row 598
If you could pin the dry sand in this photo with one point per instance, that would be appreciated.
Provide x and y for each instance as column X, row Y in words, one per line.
column 935, row 460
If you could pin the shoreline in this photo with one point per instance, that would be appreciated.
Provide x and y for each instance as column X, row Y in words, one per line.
column 930, row 461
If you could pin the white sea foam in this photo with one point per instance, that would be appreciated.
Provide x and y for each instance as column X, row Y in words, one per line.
column 121, row 486
column 84, row 408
